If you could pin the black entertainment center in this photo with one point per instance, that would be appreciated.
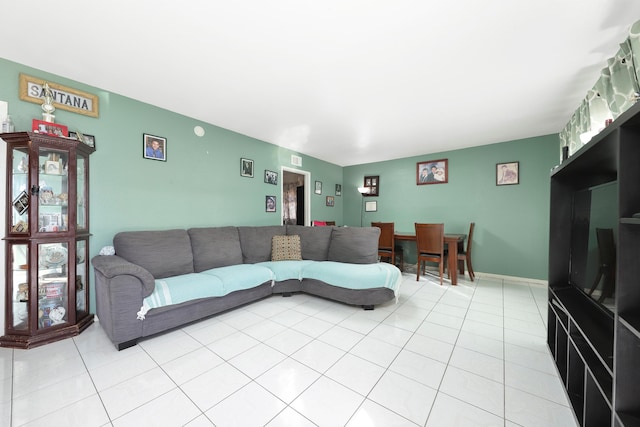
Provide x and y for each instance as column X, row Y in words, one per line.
column 594, row 275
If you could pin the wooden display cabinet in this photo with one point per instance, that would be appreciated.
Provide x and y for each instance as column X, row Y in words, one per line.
column 46, row 238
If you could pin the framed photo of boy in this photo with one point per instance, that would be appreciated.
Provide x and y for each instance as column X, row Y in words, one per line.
column 432, row 172
column 154, row 147
column 508, row 173
column 246, row 168
column 330, row 201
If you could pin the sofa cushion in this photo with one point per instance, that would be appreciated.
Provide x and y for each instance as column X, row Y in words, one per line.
column 314, row 241
column 286, row 270
column 240, row 277
column 354, row 245
column 256, row 242
column 164, row 253
column 285, row 248
column 215, row 247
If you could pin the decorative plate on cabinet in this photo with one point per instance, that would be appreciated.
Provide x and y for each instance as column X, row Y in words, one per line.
column 54, row 256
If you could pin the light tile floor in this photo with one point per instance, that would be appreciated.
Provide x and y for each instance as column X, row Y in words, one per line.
column 470, row 355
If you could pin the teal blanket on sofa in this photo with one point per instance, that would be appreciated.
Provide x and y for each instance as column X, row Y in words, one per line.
column 216, row 282
column 221, row 281
column 355, row 276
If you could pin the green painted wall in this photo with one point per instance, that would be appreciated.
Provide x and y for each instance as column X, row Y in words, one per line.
column 200, row 184
column 512, row 222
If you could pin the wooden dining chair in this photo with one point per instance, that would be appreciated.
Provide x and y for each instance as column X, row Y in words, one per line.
column 387, row 248
column 464, row 254
column 430, row 246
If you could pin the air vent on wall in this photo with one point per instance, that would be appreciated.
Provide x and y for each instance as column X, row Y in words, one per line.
column 296, row 160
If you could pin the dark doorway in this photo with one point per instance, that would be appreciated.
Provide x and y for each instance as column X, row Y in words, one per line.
column 300, row 205
column 293, row 198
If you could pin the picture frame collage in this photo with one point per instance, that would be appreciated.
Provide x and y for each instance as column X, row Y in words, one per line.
column 247, row 170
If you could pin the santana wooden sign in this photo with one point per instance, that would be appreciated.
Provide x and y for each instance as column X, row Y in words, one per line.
column 64, row 98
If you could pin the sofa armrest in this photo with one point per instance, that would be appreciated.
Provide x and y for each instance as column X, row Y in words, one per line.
column 120, row 288
column 111, row 266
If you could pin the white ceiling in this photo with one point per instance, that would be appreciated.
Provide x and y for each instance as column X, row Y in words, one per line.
column 346, row 81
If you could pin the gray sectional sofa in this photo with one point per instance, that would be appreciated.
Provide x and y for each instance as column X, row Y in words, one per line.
column 159, row 280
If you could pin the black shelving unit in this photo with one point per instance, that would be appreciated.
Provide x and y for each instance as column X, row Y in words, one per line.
column 596, row 351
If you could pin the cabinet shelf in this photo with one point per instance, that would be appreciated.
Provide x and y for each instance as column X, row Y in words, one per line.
column 591, row 322
column 629, row 420
column 602, row 376
column 632, row 323
column 630, row 221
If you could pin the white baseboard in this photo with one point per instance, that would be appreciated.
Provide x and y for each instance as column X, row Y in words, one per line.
column 513, row 278
column 411, row 268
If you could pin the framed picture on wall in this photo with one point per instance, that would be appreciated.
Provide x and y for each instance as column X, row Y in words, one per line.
column 318, row 189
column 330, row 201
column 271, row 177
column 370, row 206
column 246, row 168
column 372, row 184
column 432, row 172
column 154, row 147
column 338, row 189
column 270, row 203
column 508, row 173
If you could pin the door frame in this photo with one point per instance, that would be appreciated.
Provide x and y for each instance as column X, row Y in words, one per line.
column 307, row 193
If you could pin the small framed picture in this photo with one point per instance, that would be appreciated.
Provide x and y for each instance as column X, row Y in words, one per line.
column 47, row 128
column 270, row 203
column 432, row 172
column 508, row 173
column 330, row 201
column 372, row 184
column 21, row 203
column 246, row 168
column 318, row 189
column 371, row 206
column 338, row 190
column 52, row 167
column 90, row 140
column 271, row 177
column 154, row 147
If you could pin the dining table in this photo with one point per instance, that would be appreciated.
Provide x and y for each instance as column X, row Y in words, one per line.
column 451, row 241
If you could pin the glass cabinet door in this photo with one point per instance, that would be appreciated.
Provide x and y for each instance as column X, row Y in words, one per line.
column 19, row 187
column 82, row 275
column 53, row 190
column 18, row 287
column 81, row 191
column 53, row 284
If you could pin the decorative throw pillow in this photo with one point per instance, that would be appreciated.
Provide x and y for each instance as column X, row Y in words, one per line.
column 285, row 248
